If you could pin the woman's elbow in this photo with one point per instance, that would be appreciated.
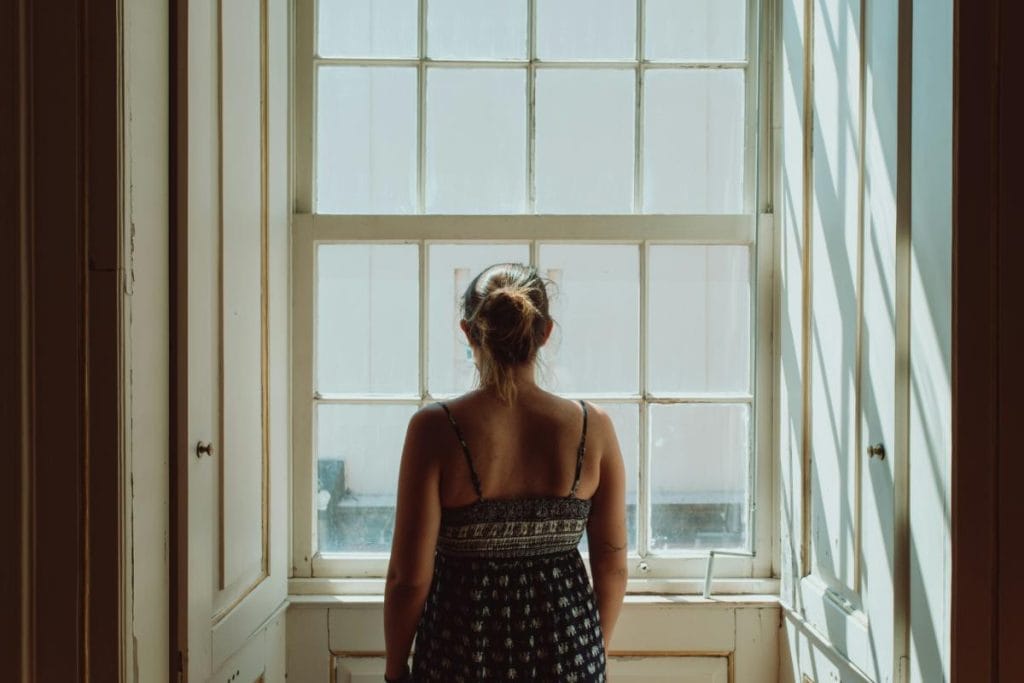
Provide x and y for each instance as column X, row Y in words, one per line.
column 406, row 581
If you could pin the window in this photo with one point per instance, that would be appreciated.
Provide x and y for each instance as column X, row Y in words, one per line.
column 614, row 145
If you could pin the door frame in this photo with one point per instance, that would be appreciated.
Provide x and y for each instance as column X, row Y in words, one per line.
column 988, row 336
column 179, row 447
column 64, row 489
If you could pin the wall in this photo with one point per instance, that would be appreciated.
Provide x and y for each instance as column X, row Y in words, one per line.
column 146, row 314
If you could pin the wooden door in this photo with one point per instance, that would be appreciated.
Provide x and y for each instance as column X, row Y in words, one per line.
column 841, row 322
column 237, row 337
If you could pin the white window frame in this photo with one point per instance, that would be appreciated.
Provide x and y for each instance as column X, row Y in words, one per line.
column 681, row 571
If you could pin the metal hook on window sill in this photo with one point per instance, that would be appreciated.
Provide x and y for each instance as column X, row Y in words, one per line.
column 710, row 567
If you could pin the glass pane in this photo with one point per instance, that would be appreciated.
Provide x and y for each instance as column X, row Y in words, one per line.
column 367, row 28
column 699, row 455
column 367, row 319
column 366, row 140
column 595, row 301
column 695, row 29
column 626, row 418
column 471, row 29
column 699, row 325
column 586, row 29
column 451, row 268
column 584, row 141
column 476, row 141
column 693, row 141
column 358, row 450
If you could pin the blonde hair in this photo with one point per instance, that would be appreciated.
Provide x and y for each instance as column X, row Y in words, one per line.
column 506, row 310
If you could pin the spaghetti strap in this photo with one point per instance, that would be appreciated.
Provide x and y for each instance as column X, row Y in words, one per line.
column 465, row 449
column 580, row 450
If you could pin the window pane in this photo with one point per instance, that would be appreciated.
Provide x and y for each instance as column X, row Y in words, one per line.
column 451, row 268
column 584, row 141
column 586, row 29
column 626, row 418
column 699, row 455
column 595, row 302
column 470, row 29
column 699, row 325
column 366, row 140
column 367, row 319
column 358, row 451
column 695, row 29
column 693, row 141
column 367, row 28
column 476, row 141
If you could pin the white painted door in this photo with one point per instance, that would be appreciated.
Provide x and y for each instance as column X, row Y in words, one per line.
column 237, row 331
column 839, row 320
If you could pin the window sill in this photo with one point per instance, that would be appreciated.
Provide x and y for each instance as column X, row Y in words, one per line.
column 734, row 591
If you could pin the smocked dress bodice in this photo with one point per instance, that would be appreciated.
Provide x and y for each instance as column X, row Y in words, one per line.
column 510, row 598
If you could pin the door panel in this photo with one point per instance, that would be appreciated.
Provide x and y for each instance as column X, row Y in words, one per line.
column 879, row 377
column 243, row 353
column 238, row 356
column 668, row 669
column 833, row 282
column 838, row 324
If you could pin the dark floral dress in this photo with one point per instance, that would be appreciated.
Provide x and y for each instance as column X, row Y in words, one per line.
column 510, row 597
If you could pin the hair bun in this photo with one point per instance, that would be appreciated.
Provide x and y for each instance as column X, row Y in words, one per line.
column 501, row 297
column 506, row 309
column 507, row 315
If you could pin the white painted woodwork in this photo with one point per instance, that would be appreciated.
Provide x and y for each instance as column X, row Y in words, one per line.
column 657, row 638
column 837, row 211
column 931, row 344
column 358, row 669
column 238, row 375
column 668, row 669
column 241, row 440
column 620, row 669
column 260, row 660
column 145, row 319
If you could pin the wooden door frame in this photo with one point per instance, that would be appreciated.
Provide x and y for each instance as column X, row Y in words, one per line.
column 179, row 447
column 61, row 348
column 988, row 343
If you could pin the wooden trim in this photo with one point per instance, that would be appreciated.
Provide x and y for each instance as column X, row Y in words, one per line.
column 60, row 350
column 988, row 336
column 901, row 571
column 180, row 449
column 1010, row 377
column 103, row 579
column 975, row 364
column 807, row 215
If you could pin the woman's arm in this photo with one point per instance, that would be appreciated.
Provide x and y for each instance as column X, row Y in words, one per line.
column 417, row 518
column 606, row 530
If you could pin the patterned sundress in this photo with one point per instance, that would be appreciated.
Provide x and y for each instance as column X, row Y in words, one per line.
column 510, row 598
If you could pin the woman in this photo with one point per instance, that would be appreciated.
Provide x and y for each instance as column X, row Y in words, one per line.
column 495, row 490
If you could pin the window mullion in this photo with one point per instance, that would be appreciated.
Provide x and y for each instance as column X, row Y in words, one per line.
column 421, row 111
column 643, row 511
column 424, row 337
column 531, row 111
column 638, row 104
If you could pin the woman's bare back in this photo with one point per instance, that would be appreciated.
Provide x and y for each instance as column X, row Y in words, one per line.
column 526, row 449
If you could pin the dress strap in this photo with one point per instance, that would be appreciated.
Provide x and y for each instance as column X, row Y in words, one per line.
column 465, row 450
column 580, row 450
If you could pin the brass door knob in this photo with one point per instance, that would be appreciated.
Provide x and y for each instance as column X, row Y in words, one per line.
column 876, row 450
column 204, row 448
